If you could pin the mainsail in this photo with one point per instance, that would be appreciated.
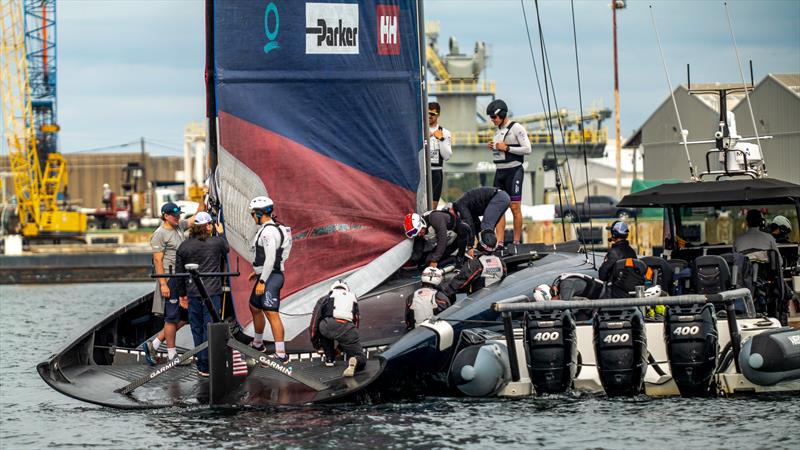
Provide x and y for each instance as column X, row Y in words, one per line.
column 319, row 106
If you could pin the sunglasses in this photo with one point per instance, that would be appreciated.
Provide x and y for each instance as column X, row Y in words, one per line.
column 492, row 117
column 433, row 113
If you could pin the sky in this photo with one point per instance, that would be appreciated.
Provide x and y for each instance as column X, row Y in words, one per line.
column 128, row 69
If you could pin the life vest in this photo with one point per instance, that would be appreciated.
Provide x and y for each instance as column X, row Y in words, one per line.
column 284, row 247
column 343, row 304
column 506, row 157
column 629, row 273
column 492, row 269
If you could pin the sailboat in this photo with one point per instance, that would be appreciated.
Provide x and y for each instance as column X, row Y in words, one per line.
column 320, row 106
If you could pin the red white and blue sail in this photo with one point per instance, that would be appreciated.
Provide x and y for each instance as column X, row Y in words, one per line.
column 319, row 107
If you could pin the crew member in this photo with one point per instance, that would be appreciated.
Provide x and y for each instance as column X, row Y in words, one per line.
column 441, row 150
column 437, row 235
column 338, row 323
column 780, row 228
column 509, row 147
column 207, row 252
column 427, row 300
column 479, row 272
column 165, row 242
column 271, row 245
column 107, row 196
column 754, row 238
column 490, row 203
column 620, row 249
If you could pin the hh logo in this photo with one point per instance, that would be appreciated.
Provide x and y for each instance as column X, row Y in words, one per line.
column 388, row 29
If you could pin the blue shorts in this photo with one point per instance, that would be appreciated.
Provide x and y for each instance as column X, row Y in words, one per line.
column 510, row 180
column 173, row 313
column 271, row 299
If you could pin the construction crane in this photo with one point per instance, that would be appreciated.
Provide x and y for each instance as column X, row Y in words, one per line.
column 37, row 188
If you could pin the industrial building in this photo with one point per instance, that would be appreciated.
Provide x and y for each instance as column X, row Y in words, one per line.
column 776, row 107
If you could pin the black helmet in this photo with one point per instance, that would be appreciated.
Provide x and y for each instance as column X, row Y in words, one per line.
column 487, row 241
column 497, row 108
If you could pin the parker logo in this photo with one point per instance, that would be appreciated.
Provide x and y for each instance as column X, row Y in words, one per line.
column 388, row 29
column 332, row 28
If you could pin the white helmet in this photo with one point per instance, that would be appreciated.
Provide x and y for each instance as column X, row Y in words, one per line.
column 542, row 293
column 413, row 224
column 339, row 284
column 652, row 291
column 261, row 203
column 782, row 221
column 432, row 275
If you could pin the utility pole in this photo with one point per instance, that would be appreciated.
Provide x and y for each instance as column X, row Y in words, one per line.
column 617, row 4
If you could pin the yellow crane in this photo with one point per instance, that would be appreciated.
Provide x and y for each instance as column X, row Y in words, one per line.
column 36, row 187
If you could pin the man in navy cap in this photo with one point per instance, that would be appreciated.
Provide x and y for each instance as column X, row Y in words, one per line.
column 620, row 248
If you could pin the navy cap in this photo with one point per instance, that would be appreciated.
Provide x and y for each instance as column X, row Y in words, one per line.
column 171, row 209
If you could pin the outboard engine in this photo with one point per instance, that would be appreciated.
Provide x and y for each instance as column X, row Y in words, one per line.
column 481, row 370
column 771, row 357
column 690, row 334
column 551, row 350
column 620, row 344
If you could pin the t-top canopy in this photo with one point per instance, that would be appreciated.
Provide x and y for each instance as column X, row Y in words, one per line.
column 716, row 193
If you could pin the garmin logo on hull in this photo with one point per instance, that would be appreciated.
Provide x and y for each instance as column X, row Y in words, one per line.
column 332, row 28
column 275, row 365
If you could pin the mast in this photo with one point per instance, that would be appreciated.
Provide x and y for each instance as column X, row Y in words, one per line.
column 618, row 4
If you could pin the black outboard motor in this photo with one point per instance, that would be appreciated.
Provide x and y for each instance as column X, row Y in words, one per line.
column 551, row 350
column 771, row 357
column 620, row 344
column 690, row 334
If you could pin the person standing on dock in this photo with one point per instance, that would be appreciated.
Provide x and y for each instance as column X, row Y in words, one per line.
column 271, row 246
column 165, row 242
column 207, row 252
column 441, row 150
column 509, row 147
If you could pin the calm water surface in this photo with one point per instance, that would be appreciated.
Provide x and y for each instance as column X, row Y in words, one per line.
column 35, row 320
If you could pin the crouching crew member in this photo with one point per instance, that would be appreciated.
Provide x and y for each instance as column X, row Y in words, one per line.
column 335, row 320
column 489, row 203
column 476, row 273
column 437, row 235
column 620, row 249
column 271, row 245
column 427, row 301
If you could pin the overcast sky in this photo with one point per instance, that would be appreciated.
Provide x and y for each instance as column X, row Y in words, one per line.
column 135, row 68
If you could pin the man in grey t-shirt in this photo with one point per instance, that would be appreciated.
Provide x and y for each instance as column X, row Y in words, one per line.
column 164, row 243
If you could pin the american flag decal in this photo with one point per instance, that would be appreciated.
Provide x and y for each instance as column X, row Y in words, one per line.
column 239, row 365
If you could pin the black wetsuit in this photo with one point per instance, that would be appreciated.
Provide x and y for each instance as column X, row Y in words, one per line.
column 619, row 250
column 489, row 202
column 441, row 222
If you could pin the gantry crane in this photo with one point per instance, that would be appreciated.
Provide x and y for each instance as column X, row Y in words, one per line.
column 36, row 187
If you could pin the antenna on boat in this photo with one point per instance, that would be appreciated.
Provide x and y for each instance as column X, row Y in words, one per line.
column 684, row 132
column 744, row 84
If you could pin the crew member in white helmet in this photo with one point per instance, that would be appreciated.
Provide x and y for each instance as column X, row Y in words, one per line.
column 428, row 300
column 271, row 245
column 338, row 323
column 441, row 150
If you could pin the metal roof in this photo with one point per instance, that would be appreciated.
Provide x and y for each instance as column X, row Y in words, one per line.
column 716, row 193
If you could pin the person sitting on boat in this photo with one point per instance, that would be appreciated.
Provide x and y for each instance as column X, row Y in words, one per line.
column 780, row 228
column 441, row 150
column 336, row 320
column 509, row 147
column 437, row 236
column 487, row 202
column 476, row 273
column 164, row 243
column 207, row 252
column 754, row 240
column 271, row 246
column 428, row 300
column 620, row 249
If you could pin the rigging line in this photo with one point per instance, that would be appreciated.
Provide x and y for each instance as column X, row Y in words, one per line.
column 549, row 118
column 550, row 122
column 744, row 84
column 563, row 140
column 580, row 128
column 108, row 147
column 684, row 132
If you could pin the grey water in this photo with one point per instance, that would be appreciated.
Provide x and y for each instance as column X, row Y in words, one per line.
column 37, row 320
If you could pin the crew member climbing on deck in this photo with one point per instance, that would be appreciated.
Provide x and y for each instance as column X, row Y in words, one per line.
column 335, row 320
column 476, row 273
column 490, row 203
column 271, row 246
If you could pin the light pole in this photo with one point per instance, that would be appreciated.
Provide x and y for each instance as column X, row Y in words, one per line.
column 617, row 4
